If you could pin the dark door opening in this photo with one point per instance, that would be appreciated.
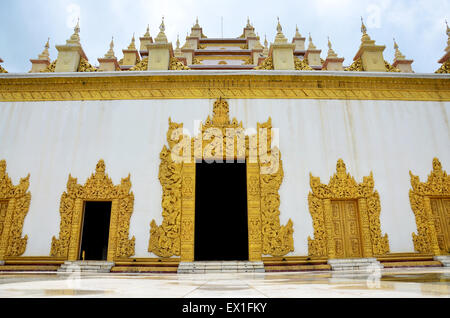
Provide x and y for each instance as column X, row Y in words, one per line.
column 221, row 225
column 94, row 241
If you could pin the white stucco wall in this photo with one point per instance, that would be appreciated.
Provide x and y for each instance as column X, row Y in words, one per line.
column 49, row 140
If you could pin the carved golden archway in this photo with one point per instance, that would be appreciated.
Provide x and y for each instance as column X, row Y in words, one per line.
column 14, row 204
column 342, row 186
column 175, row 236
column 99, row 187
column 420, row 196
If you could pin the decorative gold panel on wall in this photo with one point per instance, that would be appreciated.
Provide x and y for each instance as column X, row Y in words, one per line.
column 341, row 187
column 125, row 86
column 99, row 187
column 14, row 205
column 421, row 196
column 175, row 236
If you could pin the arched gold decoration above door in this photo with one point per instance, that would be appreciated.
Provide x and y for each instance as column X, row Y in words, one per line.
column 99, row 187
column 430, row 202
column 175, row 236
column 346, row 217
column 14, row 205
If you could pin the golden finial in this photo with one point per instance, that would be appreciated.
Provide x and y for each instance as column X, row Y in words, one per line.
column 297, row 33
column 132, row 45
column 75, row 38
column 147, row 33
column 178, row 41
column 161, row 38
column 280, row 38
column 45, row 54
column 196, row 25
column 110, row 53
column 311, row 45
column 249, row 25
column 266, row 44
column 331, row 53
column 398, row 54
column 363, row 27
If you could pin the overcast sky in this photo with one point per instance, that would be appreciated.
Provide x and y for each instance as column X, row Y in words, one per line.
column 417, row 25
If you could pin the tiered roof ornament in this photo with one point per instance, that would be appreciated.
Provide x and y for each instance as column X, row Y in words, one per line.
column 445, row 60
column 312, row 55
column 43, row 60
column 160, row 52
column 400, row 61
column 332, row 62
column 71, row 57
column 298, row 40
column 130, row 56
column 109, row 61
column 369, row 57
column 145, row 40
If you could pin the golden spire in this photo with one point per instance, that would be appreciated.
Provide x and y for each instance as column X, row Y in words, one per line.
column 147, row 34
column 447, row 49
column 75, row 38
column 331, row 53
column 248, row 26
column 398, row 54
column 161, row 38
column 280, row 38
column 365, row 37
column 132, row 45
column 311, row 45
column 178, row 49
column 266, row 46
column 110, row 53
column 196, row 25
column 297, row 34
column 258, row 43
column 45, row 55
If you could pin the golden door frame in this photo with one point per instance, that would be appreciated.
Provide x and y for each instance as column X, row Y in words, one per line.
column 18, row 197
column 99, row 187
column 342, row 186
column 175, row 236
column 437, row 185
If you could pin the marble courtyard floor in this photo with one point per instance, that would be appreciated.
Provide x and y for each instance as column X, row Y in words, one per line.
column 393, row 283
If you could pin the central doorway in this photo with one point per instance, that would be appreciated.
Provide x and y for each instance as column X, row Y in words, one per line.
column 96, row 222
column 221, row 224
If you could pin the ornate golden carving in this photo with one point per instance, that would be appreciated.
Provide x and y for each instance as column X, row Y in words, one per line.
column 390, row 68
column 85, row 66
column 99, row 187
column 444, row 69
column 175, row 236
column 177, row 65
column 267, row 64
column 301, row 65
column 141, row 66
column 202, row 46
column 185, row 86
column 355, row 67
column 196, row 60
column 244, row 46
column 16, row 201
column 50, row 68
column 437, row 185
column 248, row 61
column 342, row 186
column 2, row 70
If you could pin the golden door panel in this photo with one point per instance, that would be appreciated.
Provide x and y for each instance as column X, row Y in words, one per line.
column 346, row 230
column 3, row 209
column 441, row 217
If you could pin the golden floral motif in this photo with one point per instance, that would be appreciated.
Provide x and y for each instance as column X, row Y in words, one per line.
column 18, row 202
column 444, row 69
column 85, row 66
column 141, row 65
column 267, row 64
column 301, row 65
column 175, row 236
column 248, row 61
column 50, row 68
column 342, row 186
column 2, row 70
column 99, row 187
column 196, row 60
column 355, row 67
column 176, row 65
column 390, row 68
column 437, row 184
